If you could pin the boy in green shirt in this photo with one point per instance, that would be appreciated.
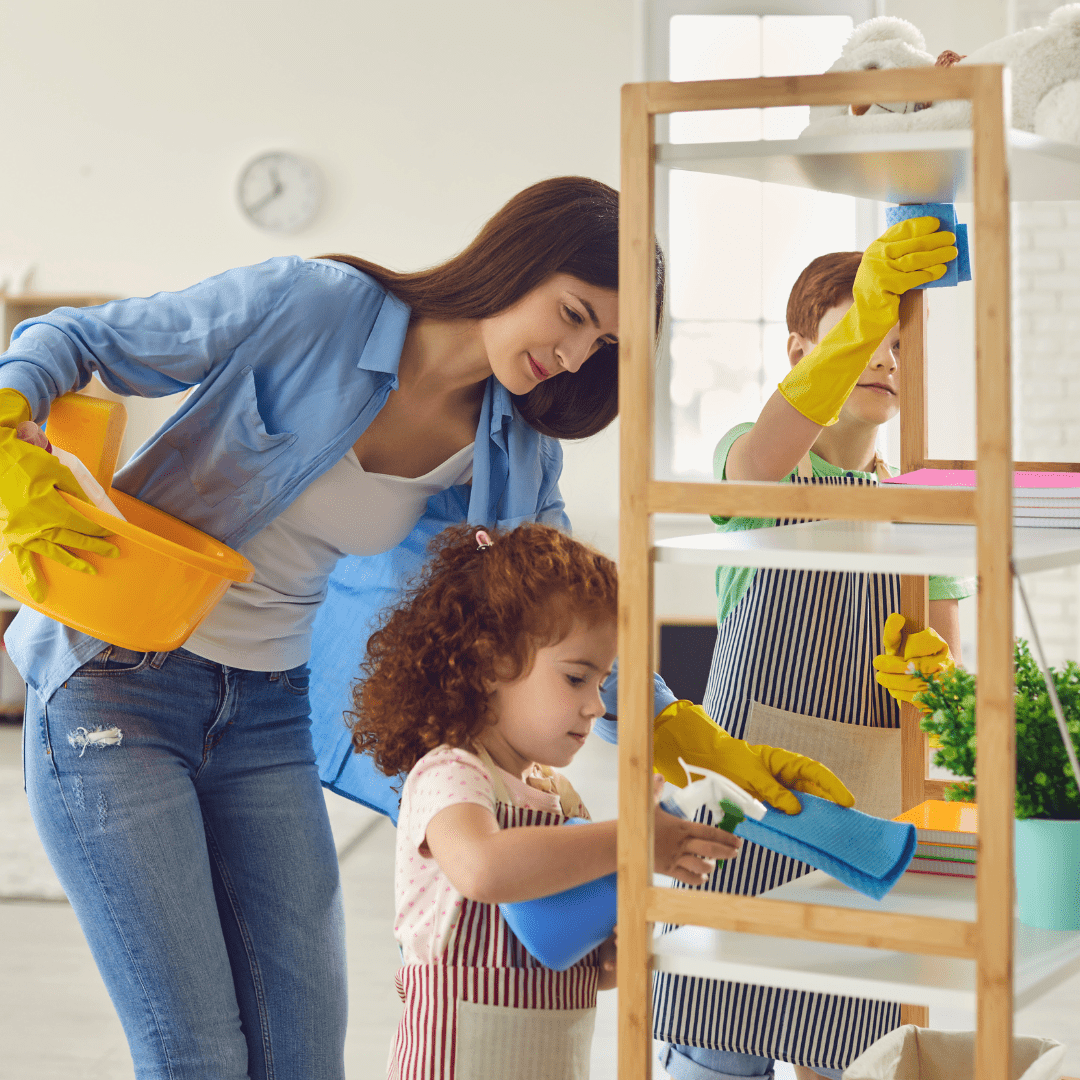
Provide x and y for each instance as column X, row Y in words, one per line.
column 805, row 641
column 820, row 298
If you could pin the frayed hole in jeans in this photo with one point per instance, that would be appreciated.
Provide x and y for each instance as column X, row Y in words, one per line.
column 81, row 738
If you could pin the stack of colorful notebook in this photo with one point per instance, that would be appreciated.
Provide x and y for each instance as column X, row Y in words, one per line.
column 1041, row 500
column 947, row 835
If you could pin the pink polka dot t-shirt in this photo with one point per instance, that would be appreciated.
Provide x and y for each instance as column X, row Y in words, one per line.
column 426, row 904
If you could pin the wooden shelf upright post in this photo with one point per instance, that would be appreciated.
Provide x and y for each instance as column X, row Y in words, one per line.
column 637, row 291
column 914, row 590
column 995, row 721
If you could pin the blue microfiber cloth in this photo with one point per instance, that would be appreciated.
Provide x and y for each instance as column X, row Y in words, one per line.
column 867, row 853
column 960, row 268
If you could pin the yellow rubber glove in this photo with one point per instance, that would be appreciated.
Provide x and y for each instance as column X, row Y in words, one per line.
column 34, row 518
column 906, row 657
column 686, row 730
column 908, row 254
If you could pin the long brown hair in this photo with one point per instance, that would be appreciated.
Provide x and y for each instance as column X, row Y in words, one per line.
column 565, row 225
column 473, row 617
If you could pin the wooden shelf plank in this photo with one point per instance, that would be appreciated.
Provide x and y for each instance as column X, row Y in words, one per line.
column 846, row 970
column 868, row 547
column 875, row 928
column 1043, row 958
column 849, row 502
column 929, row 166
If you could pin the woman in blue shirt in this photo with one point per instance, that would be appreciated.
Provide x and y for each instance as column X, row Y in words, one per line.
column 178, row 794
column 191, row 834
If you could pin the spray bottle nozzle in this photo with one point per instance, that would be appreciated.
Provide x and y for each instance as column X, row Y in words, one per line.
column 732, row 816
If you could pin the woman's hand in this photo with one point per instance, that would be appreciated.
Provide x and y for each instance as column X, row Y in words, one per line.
column 687, row 850
column 35, row 521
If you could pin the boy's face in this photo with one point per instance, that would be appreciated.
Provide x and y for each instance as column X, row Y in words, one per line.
column 875, row 399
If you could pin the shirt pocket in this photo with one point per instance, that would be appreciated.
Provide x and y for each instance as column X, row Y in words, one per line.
column 223, row 441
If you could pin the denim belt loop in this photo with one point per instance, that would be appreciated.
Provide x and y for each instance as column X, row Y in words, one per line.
column 158, row 659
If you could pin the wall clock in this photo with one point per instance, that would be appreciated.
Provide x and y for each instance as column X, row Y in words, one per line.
column 279, row 191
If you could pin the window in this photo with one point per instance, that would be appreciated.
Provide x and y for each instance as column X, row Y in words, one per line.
column 736, row 246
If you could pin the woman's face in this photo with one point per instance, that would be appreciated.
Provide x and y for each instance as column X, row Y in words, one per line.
column 553, row 328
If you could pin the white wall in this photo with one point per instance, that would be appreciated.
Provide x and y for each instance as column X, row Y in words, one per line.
column 960, row 25
column 126, row 124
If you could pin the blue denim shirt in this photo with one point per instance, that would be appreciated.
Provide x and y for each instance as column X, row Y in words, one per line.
column 287, row 363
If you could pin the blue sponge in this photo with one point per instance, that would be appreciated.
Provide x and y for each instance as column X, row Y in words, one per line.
column 960, row 268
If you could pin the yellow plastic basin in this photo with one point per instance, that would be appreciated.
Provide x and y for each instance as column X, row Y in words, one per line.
column 168, row 575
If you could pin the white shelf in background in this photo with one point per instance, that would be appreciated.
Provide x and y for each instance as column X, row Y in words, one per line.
column 925, row 166
column 1042, row 960
column 867, row 547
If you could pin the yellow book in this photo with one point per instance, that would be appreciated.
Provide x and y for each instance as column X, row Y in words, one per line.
column 940, row 822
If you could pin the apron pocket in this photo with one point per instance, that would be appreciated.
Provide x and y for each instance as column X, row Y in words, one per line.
column 867, row 759
column 527, row 1044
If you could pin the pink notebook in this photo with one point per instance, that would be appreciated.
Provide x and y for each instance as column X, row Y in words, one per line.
column 966, row 478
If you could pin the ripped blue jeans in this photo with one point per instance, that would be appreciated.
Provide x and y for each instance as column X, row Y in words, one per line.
column 179, row 804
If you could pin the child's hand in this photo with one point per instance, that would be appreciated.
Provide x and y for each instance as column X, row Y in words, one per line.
column 608, row 952
column 908, row 254
column 687, row 850
column 907, row 656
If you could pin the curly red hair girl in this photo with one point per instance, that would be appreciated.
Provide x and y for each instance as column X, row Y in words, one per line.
column 476, row 616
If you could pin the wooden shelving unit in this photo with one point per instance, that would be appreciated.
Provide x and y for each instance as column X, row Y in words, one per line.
column 927, row 942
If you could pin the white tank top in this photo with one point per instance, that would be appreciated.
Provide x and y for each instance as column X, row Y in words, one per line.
column 265, row 625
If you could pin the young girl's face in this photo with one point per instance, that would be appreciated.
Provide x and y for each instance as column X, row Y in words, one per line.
column 545, row 715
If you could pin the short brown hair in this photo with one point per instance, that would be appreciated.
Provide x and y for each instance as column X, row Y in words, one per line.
column 565, row 225
column 825, row 283
column 473, row 617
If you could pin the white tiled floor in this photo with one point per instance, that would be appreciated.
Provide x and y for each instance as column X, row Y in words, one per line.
column 56, row 1022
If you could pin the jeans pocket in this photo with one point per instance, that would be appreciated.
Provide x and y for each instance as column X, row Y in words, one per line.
column 296, row 680
column 112, row 660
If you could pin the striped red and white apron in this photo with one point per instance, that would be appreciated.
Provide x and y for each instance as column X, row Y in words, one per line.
column 800, row 640
column 488, row 1009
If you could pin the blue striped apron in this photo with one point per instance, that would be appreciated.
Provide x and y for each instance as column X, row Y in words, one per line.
column 800, row 640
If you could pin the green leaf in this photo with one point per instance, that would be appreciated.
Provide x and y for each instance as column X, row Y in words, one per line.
column 1045, row 786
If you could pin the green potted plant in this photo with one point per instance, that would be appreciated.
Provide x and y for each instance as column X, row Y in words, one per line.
column 1047, row 793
